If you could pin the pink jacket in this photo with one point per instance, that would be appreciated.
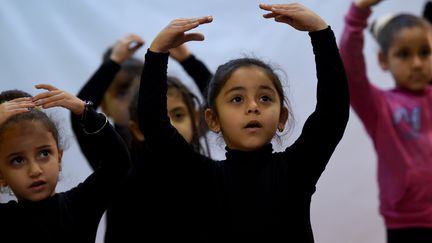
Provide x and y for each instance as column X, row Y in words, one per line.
column 400, row 124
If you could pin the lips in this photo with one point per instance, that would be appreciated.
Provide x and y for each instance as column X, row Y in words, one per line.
column 253, row 124
column 37, row 184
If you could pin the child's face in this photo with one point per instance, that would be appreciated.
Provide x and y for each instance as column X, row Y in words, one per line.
column 116, row 100
column 179, row 114
column 409, row 59
column 29, row 160
column 249, row 109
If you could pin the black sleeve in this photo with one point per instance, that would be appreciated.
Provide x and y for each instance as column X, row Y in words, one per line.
column 160, row 136
column 325, row 127
column 198, row 71
column 94, row 90
column 427, row 11
column 99, row 83
column 111, row 154
column 152, row 112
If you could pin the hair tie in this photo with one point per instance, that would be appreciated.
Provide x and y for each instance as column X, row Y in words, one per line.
column 378, row 25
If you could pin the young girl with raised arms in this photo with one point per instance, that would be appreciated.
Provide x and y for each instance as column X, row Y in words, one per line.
column 30, row 162
column 397, row 120
column 138, row 211
column 255, row 194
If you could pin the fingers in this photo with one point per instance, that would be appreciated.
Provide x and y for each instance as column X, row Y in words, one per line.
column 191, row 23
column 194, row 37
column 280, row 9
column 14, row 107
column 270, row 15
column 126, row 47
column 19, row 104
column 134, row 42
column 18, row 100
column 295, row 15
column 174, row 34
column 135, row 45
column 47, row 99
column 45, row 86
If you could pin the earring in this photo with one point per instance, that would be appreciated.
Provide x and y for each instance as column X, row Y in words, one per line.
column 280, row 129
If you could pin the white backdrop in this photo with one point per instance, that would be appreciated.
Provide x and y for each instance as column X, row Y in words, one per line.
column 61, row 42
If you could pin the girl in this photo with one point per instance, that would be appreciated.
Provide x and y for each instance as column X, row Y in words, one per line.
column 122, row 72
column 397, row 120
column 254, row 195
column 30, row 162
column 113, row 85
column 146, row 208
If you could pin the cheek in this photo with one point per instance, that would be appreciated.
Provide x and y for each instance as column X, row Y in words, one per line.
column 185, row 130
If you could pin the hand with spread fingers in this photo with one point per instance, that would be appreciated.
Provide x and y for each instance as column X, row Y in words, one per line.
column 296, row 15
column 15, row 106
column 174, row 34
column 54, row 97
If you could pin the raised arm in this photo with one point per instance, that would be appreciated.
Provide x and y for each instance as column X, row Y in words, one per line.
column 365, row 98
column 96, row 87
column 326, row 125
column 113, row 156
column 194, row 67
column 152, row 114
column 98, row 84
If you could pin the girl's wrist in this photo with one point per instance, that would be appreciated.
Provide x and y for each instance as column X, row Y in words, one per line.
column 85, row 107
column 157, row 49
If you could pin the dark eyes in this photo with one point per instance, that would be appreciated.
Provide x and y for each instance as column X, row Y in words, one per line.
column 236, row 99
column 404, row 54
column 19, row 160
column 177, row 116
column 16, row 161
column 44, row 153
column 263, row 98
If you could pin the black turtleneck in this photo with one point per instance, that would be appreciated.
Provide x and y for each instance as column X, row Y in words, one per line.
column 251, row 196
column 74, row 215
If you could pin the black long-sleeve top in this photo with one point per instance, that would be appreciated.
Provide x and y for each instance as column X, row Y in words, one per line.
column 139, row 202
column 96, row 87
column 259, row 196
column 74, row 215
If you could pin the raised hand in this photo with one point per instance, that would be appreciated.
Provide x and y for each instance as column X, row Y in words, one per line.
column 366, row 3
column 174, row 34
column 15, row 106
column 296, row 15
column 180, row 53
column 126, row 47
column 54, row 97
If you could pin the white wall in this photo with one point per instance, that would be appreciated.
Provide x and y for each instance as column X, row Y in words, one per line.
column 61, row 42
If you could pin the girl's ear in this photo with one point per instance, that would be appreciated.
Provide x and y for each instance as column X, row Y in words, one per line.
column 135, row 130
column 383, row 61
column 60, row 154
column 212, row 120
column 283, row 118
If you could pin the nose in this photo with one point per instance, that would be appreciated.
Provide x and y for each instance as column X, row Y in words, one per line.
column 34, row 169
column 253, row 108
column 417, row 61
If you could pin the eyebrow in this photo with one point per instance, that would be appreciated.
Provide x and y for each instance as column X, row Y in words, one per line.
column 178, row 108
column 241, row 88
